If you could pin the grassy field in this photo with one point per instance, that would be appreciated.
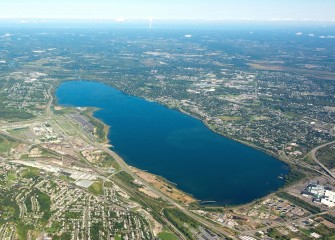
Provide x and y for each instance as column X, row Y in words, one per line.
column 31, row 172
column 65, row 124
column 96, row 188
column 326, row 155
column 64, row 110
column 230, row 118
column 167, row 236
column 117, row 237
column 19, row 132
column 181, row 221
column 109, row 161
column 11, row 177
column 6, row 144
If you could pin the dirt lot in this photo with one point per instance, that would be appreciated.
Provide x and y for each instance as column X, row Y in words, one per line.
column 164, row 187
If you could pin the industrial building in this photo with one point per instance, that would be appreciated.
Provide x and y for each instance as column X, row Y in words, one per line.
column 320, row 194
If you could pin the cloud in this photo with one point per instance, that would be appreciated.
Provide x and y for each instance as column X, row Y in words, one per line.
column 328, row 36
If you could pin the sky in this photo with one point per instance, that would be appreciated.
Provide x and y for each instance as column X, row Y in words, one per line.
column 315, row 10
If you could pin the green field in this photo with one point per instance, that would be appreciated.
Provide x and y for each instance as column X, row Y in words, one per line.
column 181, row 221
column 19, row 132
column 230, row 118
column 31, row 172
column 117, row 237
column 65, row 124
column 96, row 188
column 326, row 155
column 6, row 144
column 167, row 236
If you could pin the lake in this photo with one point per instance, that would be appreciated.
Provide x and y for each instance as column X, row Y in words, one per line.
column 178, row 147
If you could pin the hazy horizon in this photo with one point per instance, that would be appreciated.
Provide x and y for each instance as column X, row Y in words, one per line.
column 211, row 10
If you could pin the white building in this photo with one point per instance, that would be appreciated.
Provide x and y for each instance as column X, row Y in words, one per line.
column 328, row 199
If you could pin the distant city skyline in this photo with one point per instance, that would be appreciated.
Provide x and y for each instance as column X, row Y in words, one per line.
column 272, row 10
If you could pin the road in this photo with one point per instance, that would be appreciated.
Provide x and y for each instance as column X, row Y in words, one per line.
column 48, row 115
column 313, row 154
column 127, row 169
column 210, row 225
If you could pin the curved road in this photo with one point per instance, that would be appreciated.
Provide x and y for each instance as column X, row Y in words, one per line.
column 313, row 154
column 124, row 166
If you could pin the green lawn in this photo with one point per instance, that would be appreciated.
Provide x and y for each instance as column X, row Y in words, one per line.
column 19, row 132
column 31, row 172
column 67, row 127
column 117, row 237
column 96, row 188
column 11, row 177
column 230, row 118
column 6, row 144
column 167, row 236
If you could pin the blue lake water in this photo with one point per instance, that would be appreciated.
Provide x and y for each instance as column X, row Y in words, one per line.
column 178, row 147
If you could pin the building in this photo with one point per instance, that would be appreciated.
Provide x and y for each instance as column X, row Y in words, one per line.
column 319, row 194
column 328, row 199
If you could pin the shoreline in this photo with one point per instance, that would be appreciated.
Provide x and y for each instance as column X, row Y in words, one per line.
column 176, row 109
column 234, row 139
column 165, row 186
column 106, row 128
column 197, row 201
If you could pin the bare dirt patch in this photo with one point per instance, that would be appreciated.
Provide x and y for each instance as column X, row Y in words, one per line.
column 165, row 187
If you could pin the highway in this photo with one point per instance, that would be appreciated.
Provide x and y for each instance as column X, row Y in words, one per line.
column 127, row 169
column 48, row 115
column 313, row 154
